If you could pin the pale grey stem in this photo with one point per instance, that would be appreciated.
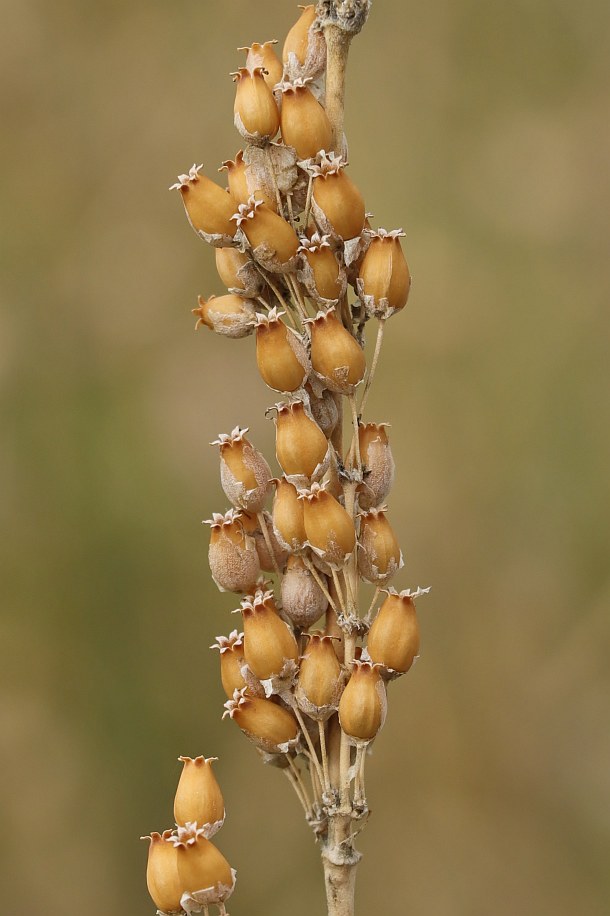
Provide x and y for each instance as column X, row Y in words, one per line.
column 371, row 375
column 308, row 202
column 307, row 736
column 312, row 569
column 290, row 211
column 369, row 614
column 297, row 775
column 265, row 530
column 339, row 592
column 293, row 782
column 356, row 439
column 324, row 755
column 278, row 196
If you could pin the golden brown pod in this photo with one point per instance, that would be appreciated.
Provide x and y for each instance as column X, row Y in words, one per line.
column 378, row 464
column 238, row 272
column 281, row 354
column 198, row 797
column 269, row 643
column 300, row 445
column 270, row 726
column 320, row 680
column 384, row 280
column 263, row 55
column 393, row 639
column 244, row 474
column 379, row 553
column 256, row 113
column 304, row 52
column 208, row 206
column 363, row 703
column 206, row 875
column 232, row 555
column 337, row 203
column 231, row 651
column 336, row 356
column 329, row 527
column 230, row 315
column 303, row 601
column 320, row 272
column 304, row 123
column 162, row 876
column 273, row 241
column 288, row 520
column 242, row 182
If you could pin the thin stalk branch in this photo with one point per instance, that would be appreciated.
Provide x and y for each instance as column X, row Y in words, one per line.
column 265, row 530
column 371, row 375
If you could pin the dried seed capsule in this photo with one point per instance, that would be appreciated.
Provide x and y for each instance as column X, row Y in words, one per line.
column 228, row 315
column 378, row 463
column 301, row 447
column 320, row 271
column 281, row 355
column 269, row 643
column 329, row 528
column 208, row 206
column 273, row 241
column 256, row 114
column 303, row 601
column 336, row 356
column 198, row 796
column 288, row 521
column 162, row 877
column 231, row 651
column 206, row 875
column 270, row 726
column 304, row 123
column 323, row 409
column 242, row 182
column 263, row 55
column 244, row 474
column 384, row 280
column 232, row 555
column 363, row 704
column 393, row 639
column 320, row 681
column 238, row 272
column 379, row 554
column 304, row 52
column 336, row 199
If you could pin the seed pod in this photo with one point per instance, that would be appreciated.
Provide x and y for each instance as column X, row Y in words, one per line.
column 304, row 52
column 320, row 681
column 363, row 704
column 384, row 280
column 329, row 528
column 300, row 445
column 273, row 241
column 378, row 463
column 379, row 554
column 238, row 272
column 323, row 409
column 263, row 55
column 208, row 206
column 242, row 182
column 303, row 601
column 256, row 114
column 232, row 555
column 269, row 643
column 162, row 877
column 244, row 474
column 337, row 203
column 288, row 522
column 320, row 271
column 270, row 726
column 281, row 355
column 206, row 875
column 304, row 123
column 228, row 315
column 336, row 356
column 231, row 651
column 393, row 639
column 198, row 796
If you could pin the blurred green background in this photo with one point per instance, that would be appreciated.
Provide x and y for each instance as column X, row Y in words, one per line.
column 483, row 130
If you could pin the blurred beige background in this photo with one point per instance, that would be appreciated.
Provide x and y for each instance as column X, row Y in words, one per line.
column 483, row 130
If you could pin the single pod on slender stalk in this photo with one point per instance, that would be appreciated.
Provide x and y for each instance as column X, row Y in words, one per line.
column 281, row 354
column 273, row 241
column 379, row 553
column 329, row 527
column 384, row 280
column 198, row 796
column 363, row 703
column 271, row 727
column 244, row 473
column 208, row 206
column 232, row 555
column 256, row 113
column 303, row 121
column 230, row 315
column 336, row 356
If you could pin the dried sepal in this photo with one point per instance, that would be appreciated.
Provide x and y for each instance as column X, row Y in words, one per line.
column 303, row 601
column 244, row 474
column 270, row 726
column 323, row 405
column 230, row 315
column 232, row 554
column 378, row 464
column 276, row 164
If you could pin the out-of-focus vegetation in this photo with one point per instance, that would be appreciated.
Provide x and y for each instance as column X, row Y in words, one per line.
column 483, row 130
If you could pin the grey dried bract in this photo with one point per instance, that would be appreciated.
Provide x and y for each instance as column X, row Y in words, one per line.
column 349, row 15
column 273, row 163
column 315, row 57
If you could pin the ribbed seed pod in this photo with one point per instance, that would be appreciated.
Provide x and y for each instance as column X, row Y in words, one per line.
column 363, row 704
column 379, row 554
column 281, row 355
column 270, row 726
column 338, row 199
column 384, row 280
column 336, row 356
column 232, row 555
column 330, row 529
column 274, row 242
column 321, row 273
column 242, row 181
column 208, row 206
column 304, row 52
column 288, row 520
column 304, row 123
column 303, row 601
column 300, row 445
column 244, row 474
column 393, row 639
column 162, row 877
column 320, row 681
column 378, row 463
column 269, row 643
column 205, row 873
column 263, row 55
column 230, row 315
column 198, row 797
column 231, row 651
column 256, row 114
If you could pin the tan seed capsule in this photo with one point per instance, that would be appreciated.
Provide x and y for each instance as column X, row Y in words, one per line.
column 329, row 528
column 288, row 521
column 393, row 639
column 300, row 445
column 204, row 871
column 242, row 182
column 379, row 554
column 304, row 123
column 378, row 464
column 336, row 356
column 162, row 877
column 208, row 206
column 268, row 642
column 239, row 272
column 304, row 52
column 281, row 355
column 303, row 601
column 232, row 555
column 384, row 278
column 198, row 796
column 320, row 680
column 274, row 242
column 321, row 273
column 337, row 197
column 263, row 55
column 231, row 651
column 363, row 704
column 271, row 727
column 230, row 315
column 244, row 473
column 256, row 114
